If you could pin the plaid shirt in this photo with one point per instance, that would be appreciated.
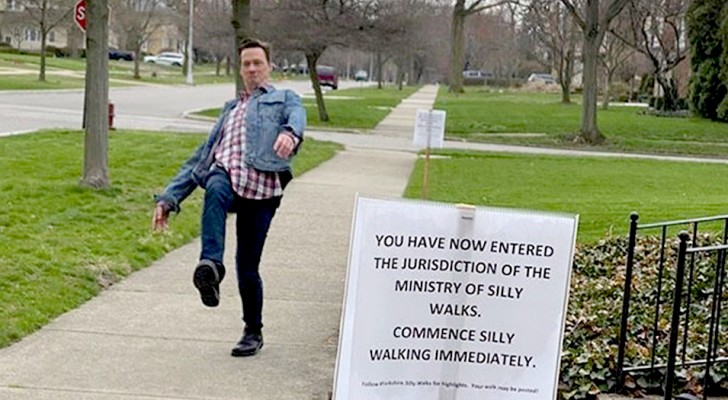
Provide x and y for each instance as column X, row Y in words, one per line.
column 247, row 182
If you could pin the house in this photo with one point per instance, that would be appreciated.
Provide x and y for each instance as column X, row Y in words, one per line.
column 19, row 31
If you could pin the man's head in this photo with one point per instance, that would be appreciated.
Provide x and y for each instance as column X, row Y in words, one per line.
column 254, row 64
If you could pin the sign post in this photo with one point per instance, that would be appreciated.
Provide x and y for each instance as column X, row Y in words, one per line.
column 448, row 302
column 429, row 132
column 79, row 14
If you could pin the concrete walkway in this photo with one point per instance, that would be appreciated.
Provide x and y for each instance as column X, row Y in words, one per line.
column 400, row 122
column 149, row 337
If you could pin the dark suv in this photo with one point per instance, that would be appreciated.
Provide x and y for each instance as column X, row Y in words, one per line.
column 116, row 54
column 327, row 76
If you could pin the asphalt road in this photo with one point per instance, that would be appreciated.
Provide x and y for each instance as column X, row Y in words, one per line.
column 139, row 107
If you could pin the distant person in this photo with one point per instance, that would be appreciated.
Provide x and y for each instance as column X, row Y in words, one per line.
column 244, row 165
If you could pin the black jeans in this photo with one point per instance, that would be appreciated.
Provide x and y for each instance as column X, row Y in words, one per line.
column 253, row 220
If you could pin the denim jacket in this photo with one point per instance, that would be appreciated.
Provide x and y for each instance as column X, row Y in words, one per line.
column 269, row 112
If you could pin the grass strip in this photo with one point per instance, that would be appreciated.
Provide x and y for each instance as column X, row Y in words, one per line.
column 602, row 190
column 486, row 115
column 356, row 108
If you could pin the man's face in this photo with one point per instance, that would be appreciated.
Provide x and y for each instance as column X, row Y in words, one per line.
column 254, row 68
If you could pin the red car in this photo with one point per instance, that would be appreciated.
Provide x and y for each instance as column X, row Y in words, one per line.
column 327, row 76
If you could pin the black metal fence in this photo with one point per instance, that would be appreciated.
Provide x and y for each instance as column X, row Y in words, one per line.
column 682, row 270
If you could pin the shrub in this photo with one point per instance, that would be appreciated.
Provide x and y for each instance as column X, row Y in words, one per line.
column 706, row 50
column 646, row 84
column 593, row 319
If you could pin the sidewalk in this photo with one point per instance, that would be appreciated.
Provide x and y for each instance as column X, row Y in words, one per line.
column 149, row 337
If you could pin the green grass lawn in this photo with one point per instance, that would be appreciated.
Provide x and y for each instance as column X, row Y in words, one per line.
column 118, row 70
column 31, row 82
column 602, row 190
column 33, row 61
column 357, row 108
column 480, row 113
column 62, row 243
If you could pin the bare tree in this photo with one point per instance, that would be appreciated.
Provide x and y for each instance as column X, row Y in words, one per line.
column 46, row 15
column 388, row 29
column 213, row 33
column 556, row 29
column 505, row 57
column 96, row 144
column 615, row 53
column 462, row 10
column 658, row 31
column 16, row 28
column 135, row 21
column 320, row 23
column 432, row 58
column 594, row 24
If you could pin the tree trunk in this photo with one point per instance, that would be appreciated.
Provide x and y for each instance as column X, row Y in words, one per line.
column 311, row 60
column 95, row 170
column 669, row 92
column 570, row 59
column 400, row 76
column 592, row 41
column 457, row 45
column 380, row 76
column 218, row 66
column 43, row 38
column 607, row 84
column 566, row 76
column 243, row 25
column 74, row 41
column 137, row 56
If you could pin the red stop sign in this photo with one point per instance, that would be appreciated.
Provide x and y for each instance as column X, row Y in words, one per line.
column 79, row 14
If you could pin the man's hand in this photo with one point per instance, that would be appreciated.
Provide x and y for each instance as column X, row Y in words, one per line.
column 161, row 213
column 284, row 145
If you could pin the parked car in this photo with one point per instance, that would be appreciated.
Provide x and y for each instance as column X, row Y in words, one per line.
column 361, row 75
column 116, row 54
column 166, row 58
column 295, row 69
column 476, row 77
column 327, row 76
column 544, row 78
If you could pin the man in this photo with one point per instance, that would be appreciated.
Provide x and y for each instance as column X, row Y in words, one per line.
column 243, row 166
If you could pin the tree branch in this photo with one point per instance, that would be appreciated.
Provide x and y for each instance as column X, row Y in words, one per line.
column 572, row 10
column 476, row 7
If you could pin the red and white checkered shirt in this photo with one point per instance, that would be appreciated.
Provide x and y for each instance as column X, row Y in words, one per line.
column 247, row 182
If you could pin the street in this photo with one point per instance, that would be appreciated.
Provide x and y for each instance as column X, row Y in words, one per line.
column 139, row 107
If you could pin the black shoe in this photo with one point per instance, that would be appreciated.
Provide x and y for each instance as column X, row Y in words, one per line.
column 249, row 345
column 207, row 278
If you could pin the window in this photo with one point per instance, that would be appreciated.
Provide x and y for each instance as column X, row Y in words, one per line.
column 51, row 36
column 32, row 35
column 10, row 4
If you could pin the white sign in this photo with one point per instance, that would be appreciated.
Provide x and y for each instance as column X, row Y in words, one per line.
column 429, row 128
column 445, row 304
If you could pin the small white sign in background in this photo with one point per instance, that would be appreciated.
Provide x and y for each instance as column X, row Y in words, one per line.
column 445, row 303
column 429, row 128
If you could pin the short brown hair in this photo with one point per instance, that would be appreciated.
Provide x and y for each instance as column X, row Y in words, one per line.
column 251, row 43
